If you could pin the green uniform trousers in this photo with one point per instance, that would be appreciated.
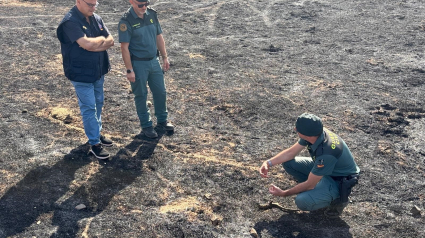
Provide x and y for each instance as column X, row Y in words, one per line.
column 322, row 195
column 149, row 73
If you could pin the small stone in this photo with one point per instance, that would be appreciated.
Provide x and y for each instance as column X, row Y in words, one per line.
column 391, row 216
column 416, row 211
column 253, row 233
column 208, row 196
column 373, row 61
column 80, row 207
column 295, row 233
column 216, row 220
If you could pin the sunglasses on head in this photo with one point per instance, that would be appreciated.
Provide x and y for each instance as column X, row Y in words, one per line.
column 143, row 5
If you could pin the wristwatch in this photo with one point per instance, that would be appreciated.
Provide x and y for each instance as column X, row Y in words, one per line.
column 269, row 163
column 129, row 71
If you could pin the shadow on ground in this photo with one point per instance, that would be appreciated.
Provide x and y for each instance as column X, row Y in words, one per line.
column 38, row 193
column 301, row 225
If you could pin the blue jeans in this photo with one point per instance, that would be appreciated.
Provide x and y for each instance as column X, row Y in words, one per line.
column 90, row 99
column 322, row 195
column 149, row 72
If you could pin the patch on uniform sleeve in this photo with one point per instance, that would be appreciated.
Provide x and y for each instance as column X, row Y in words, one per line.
column 149, row 8
column 320, row 164
column 123, row 27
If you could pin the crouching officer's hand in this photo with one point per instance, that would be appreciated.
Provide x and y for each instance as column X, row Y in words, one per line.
column 276, row 191
column 264, row 170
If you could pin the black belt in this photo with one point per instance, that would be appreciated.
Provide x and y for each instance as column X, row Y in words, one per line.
column 339, row 178
column 135, row 58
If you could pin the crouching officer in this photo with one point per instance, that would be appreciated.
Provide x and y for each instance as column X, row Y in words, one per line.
column 326, row 177
column 140, row 35
column 84, row 40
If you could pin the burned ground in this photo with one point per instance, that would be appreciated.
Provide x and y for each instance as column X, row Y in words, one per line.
column 241, row 72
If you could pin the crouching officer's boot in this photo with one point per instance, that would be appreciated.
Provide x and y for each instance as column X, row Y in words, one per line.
column 346, row 183
column 335, row 209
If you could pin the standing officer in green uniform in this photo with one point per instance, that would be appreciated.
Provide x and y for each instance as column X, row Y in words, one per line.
column 140, row 35
column 324, row 179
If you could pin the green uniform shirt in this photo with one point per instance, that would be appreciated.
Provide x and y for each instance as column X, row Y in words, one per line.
column 331, row 156
column 140, row 33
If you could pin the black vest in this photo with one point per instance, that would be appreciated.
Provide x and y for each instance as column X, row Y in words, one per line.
column 81, row 65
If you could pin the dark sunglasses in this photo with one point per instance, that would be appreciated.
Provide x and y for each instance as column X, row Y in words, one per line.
column 143, row 5
column 92, row 5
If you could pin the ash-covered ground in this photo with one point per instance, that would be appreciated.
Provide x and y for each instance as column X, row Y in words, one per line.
column 241, row 72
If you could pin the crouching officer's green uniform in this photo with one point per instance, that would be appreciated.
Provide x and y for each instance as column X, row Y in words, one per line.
column 141, row 34
column 326, row 177
column 329, row 157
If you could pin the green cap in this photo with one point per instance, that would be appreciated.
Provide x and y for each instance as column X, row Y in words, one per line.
column 309, row 125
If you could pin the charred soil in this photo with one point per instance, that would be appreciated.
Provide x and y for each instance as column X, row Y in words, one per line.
column 241, row 72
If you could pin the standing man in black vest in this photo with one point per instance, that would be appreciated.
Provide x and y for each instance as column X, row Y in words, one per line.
column 326, row 177
column 84, row 40
column 140, row 35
